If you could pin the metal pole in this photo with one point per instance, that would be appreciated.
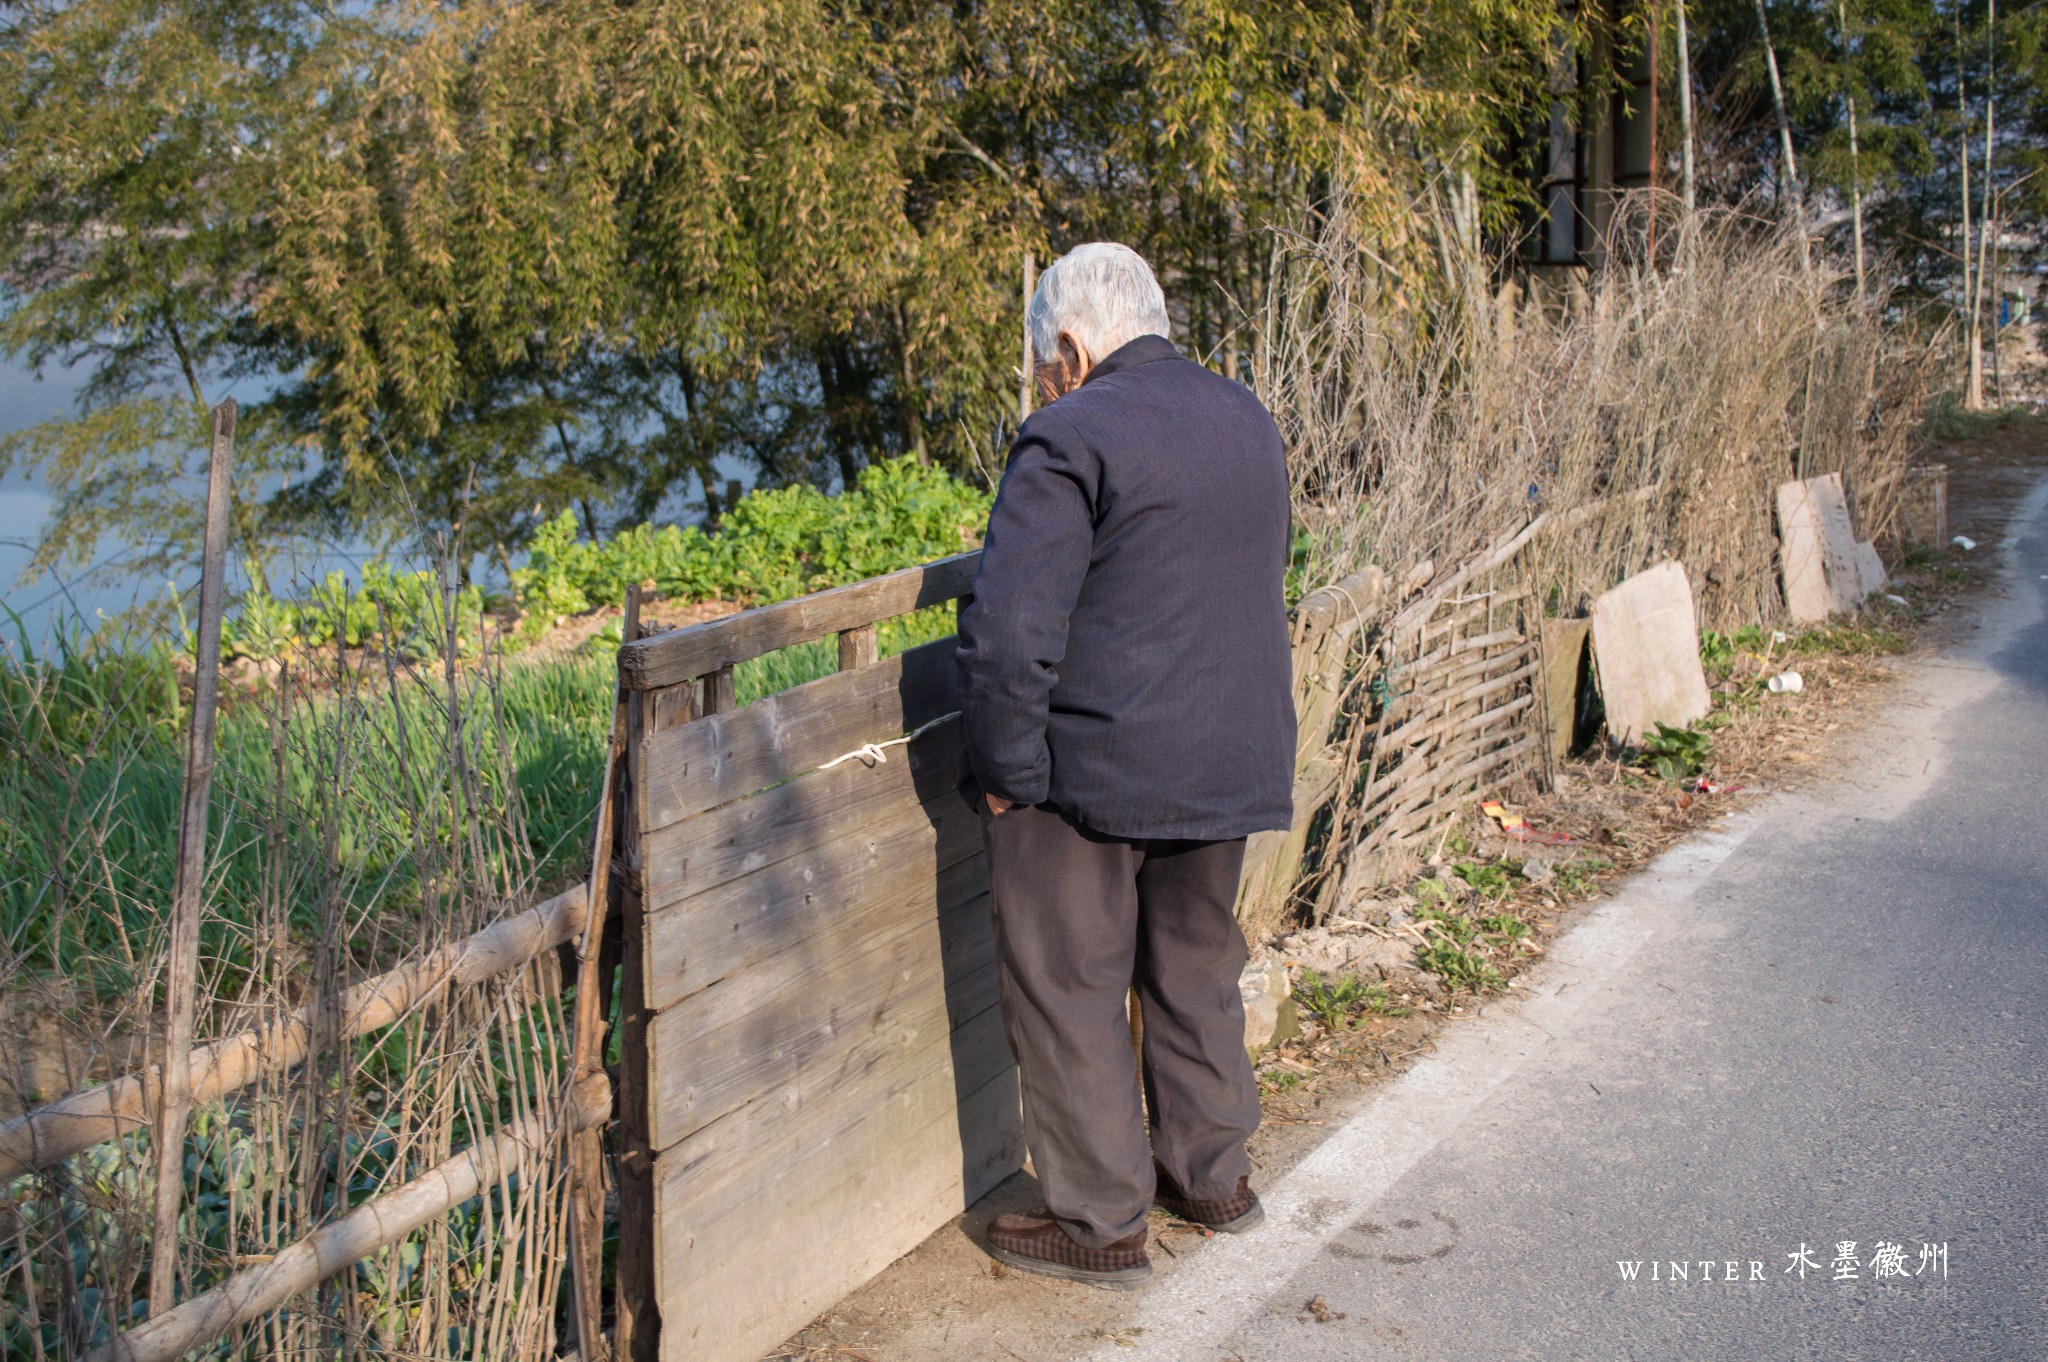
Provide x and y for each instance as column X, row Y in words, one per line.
column 182, row 963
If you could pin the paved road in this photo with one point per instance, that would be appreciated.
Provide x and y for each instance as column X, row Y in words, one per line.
column 1826, row 1025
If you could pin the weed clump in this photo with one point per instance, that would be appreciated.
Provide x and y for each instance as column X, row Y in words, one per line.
column 1341, row 1003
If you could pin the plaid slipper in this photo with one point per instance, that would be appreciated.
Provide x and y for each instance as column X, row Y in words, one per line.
column 1038, row 1243
column 1234, row 1214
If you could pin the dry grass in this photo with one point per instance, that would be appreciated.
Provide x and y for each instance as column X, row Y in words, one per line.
column 1646, row 409
column 1430, row 414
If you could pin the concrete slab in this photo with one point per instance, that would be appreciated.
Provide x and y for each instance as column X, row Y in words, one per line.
column 1870, row 573
column 1802, row 561
column 1646, row 647
column 1817, row 551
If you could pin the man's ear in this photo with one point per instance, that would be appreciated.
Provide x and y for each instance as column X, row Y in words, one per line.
column 1074, row 357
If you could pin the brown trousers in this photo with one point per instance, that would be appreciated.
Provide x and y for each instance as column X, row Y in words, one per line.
column 1082, row 918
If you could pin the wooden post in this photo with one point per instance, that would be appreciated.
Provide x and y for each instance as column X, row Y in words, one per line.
column 636, row 1313
column 593, row 1008
column 174, row 1096
column 718, row 691
column 857, row 648
column 1024, row 383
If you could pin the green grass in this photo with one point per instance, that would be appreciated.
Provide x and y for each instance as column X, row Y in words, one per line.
column 1579, row 875
column 1845, row 640
column 89, row 803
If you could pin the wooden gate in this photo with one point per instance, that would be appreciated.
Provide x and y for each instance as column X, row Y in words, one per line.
column 815, row 1071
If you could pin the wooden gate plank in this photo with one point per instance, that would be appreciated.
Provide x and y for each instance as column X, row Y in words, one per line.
column 684, row 654
column 735, row 839
column 906, row 866
column 733, row 1300
column 723, row 1181
column 724, row 757
column 847, row 999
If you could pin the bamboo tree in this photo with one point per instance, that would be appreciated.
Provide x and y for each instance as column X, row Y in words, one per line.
column 1973, row 386
column 1789, row 163
column 1685, row 135
column 1855, row 153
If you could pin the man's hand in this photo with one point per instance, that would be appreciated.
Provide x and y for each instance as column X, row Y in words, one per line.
column 998, row 805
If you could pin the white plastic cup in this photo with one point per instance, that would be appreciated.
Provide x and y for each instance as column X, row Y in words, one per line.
column 1786, row 683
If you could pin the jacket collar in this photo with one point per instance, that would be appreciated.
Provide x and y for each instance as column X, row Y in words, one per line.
column 1132, row 353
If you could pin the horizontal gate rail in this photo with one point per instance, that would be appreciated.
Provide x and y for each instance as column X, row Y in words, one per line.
column 684, row 655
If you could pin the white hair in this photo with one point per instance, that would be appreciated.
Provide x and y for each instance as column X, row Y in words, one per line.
column 1102, row 295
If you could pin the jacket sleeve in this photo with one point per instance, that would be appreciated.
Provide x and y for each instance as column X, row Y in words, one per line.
column 1013, row 635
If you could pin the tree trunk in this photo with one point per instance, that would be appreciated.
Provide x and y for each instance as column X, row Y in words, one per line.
column 1984, row 217
column 1795, row 209
column 1855, row 158
column 188, row 890
column 1685, row 173
column 1973, row 387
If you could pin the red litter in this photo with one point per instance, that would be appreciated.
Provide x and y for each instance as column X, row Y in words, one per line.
column 1712, row 787
column 1518, row 828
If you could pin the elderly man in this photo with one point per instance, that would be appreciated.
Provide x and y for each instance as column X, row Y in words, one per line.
column 1126, row 696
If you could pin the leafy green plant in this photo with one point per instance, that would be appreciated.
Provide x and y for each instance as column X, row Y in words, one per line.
column 1435, row 889
column 1675, row 753
column 1452, row 952
column 1493, row 881
column 1504, row 924
column 402, row 612
column 1340, row 1003
column 774, row 544
column 1276, row 1079
column 1575, row 877
column 1445, row 922
column 1458, row 966
column 1718, row 651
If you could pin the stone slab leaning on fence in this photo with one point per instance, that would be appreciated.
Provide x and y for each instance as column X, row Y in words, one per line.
column 1646, row 645
column 1818, row 556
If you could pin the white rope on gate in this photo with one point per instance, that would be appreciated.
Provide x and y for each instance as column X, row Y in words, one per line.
column 872, row 753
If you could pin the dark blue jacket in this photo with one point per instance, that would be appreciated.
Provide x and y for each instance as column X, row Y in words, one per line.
column 1125, row 655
